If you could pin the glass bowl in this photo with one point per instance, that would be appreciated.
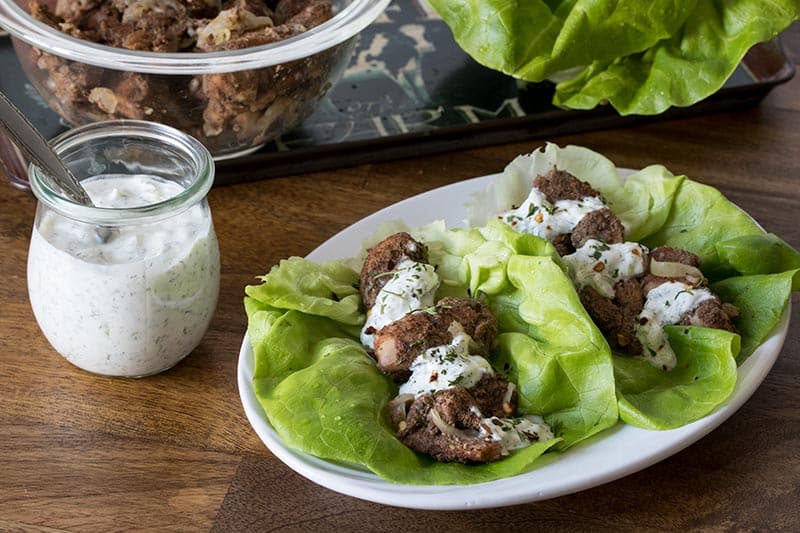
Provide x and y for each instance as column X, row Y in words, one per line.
column 234, row 100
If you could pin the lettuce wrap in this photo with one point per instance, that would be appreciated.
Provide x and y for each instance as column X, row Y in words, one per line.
column 324, row 395
column 641, row 56
column 746, row 266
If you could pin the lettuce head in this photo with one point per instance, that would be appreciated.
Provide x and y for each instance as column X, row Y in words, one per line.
column 640, row 56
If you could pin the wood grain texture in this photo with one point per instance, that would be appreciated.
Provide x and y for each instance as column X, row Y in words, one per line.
column 175, row 451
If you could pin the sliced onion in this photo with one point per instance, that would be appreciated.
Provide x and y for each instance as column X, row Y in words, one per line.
column 508, row 407
column 669, row 269
column 447, row 429
column 398, row 407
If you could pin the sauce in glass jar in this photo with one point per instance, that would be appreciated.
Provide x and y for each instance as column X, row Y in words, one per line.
column 127, row 287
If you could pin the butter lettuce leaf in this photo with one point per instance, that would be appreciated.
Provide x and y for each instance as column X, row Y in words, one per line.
column 684, row 68
column 327, row 289
column 640, row 56
column 553, row 351
column 702, row 217
column 703, row 379
column 761, row 300
column 759, row 254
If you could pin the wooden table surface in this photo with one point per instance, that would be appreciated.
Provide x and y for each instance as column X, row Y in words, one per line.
column 175, row 452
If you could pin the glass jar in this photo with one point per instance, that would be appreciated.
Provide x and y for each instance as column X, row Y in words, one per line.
column 127, row 287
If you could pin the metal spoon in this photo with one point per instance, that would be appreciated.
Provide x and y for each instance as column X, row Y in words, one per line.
column 38, row 150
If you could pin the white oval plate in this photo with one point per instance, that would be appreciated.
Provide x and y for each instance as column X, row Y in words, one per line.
column 614, row 453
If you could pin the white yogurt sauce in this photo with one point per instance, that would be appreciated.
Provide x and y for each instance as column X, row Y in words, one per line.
column 136, row 304
column 516, row 433
column 411, row 286
column 539, row 217
column 601, row 265
column 446, row 366
column 666, row 304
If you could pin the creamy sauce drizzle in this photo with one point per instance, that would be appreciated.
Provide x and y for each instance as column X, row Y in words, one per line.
column 411, row 286
column 539, row 217
column 443, row 367
column 601, row 265
column 451, row 365
column 516, row 433
column 666, row 304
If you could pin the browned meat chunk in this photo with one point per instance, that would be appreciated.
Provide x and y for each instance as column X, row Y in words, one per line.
column 396, row 345
column 712, row 314
column 42, row 13
column 399, row 343
column 629, row 297
column 477, row 320
column 383, row 258
column 256, row 7
column 602, row 310
column 563, row 244
column 445, row 426
column 494, row 396
column 616, row 317
column 69, row 80
column 709, row 313
column 561, row 185
column 307, row 13
column 674, row 255
column 602, row 225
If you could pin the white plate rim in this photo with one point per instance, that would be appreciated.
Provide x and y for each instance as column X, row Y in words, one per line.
column 625, row 449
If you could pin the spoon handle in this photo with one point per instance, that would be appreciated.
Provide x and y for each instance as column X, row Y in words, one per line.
column 38, row 150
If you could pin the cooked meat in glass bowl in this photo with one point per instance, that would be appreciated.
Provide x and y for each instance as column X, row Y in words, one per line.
column 235, row 74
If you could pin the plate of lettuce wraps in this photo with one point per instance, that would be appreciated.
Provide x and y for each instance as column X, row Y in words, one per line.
column 632, row 312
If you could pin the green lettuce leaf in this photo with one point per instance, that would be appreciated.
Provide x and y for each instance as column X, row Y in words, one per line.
column 703, row 379
column 701, row 218
column 762, row 300
column 685, row 68
column 326, row 289
column 641, row 56
column 535, row 39
column 758, row 254
column 553, row 351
